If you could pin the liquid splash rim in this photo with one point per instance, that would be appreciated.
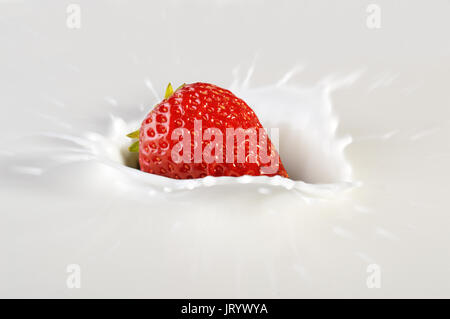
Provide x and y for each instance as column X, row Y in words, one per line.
column 89, row 147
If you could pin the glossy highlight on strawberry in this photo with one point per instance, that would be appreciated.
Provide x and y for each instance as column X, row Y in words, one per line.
column 216, row 109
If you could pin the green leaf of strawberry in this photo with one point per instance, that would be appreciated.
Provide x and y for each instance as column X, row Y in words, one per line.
column 134, row 134
column 134, row 147
column 169, row 91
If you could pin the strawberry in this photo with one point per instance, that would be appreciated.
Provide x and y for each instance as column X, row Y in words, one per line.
column 187, row 135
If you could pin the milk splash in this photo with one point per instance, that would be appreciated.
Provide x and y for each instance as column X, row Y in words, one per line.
column 310, row 149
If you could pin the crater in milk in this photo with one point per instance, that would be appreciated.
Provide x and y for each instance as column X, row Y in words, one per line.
column 310, row 149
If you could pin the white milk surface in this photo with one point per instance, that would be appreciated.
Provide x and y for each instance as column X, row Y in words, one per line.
column 364, row 133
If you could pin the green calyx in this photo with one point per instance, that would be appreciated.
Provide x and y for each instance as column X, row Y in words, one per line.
column 169, row 91
column 135, row 135
column 135, row 146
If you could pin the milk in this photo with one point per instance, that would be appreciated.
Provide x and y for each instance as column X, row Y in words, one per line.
column 364, row 134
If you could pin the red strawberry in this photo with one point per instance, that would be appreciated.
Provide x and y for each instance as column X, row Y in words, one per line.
column 162, row 152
